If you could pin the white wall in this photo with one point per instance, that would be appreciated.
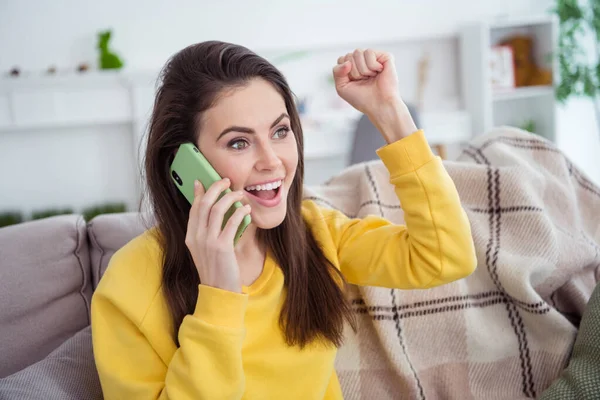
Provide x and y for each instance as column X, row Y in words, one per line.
column 71, row 168
column 581, row 143
column 37, row 33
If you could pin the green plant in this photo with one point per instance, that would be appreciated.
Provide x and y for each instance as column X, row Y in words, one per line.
column 579, row 51
column 529, row 126
column 108, row 59
column 110, row 208
column 10, row 218
column 579, row 70
column 287, row 57
column 50, row 213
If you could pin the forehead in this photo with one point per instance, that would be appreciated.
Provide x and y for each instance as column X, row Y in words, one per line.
column 255, row 105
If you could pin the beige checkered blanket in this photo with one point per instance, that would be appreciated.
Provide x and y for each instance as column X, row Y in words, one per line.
column 506, row 331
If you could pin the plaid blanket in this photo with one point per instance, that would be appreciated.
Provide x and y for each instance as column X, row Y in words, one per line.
column 505, row 332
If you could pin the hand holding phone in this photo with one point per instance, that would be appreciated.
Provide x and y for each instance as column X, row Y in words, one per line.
column 211, row 247
column 188, row 166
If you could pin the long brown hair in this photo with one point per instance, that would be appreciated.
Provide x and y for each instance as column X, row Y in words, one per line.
column 315, row 306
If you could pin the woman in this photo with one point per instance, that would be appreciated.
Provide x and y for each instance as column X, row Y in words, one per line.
column 182, row 313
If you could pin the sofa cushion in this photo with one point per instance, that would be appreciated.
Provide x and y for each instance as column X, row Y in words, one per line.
column 45, row 288
column 108, row 233
column 68, row 373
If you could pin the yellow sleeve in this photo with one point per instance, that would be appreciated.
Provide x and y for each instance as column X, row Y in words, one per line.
column 207, row 365
column 435, row 247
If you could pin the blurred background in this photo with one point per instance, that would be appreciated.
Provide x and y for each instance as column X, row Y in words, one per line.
column 78, row 79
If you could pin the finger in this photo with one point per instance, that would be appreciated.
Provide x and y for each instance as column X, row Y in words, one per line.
column 341, row 71
column 371, row 60
column 192, row 225
column 341, row 59
column 361, row 65
column 209, row 199
column 354, row 74
column 217, row 212
column 383, row 57
column 234, row 222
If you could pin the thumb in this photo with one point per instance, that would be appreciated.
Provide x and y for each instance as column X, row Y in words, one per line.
column 341, row 73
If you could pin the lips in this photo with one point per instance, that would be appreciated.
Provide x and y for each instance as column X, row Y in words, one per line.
column 267, row 194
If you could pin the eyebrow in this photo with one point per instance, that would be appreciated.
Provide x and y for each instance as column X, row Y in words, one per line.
column 250, row 130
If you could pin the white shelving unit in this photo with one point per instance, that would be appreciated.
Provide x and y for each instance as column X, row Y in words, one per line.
column 78, row 117
column 105, row 98
column 491, row 108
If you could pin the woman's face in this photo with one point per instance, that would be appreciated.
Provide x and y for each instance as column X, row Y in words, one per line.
column 247, row 138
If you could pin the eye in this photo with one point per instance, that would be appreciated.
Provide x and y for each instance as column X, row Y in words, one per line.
column 281, row 132
column 238, row 144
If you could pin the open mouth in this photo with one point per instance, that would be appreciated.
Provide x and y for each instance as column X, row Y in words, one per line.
column 267, row 192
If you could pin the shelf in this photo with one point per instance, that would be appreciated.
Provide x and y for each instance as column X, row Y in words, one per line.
column 78, row 81
column 522, row 21
column 524, row 93
column 491, row 107
column 74, row 124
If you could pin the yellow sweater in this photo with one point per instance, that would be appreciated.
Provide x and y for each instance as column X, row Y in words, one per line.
column 231, row 347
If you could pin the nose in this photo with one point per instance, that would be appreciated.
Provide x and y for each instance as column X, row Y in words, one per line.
column 268, row 158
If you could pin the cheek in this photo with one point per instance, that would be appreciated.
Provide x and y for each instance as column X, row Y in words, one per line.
column 291, row 165
column 236, row 171
column 290, row 161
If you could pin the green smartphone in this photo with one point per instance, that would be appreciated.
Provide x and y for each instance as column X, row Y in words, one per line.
column 189, row 165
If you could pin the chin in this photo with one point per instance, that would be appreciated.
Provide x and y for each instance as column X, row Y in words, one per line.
column 268, row 220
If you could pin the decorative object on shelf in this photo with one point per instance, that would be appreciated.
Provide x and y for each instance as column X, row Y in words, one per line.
column 50, row 213
column 441, row 151
column 422, row 77
column 423, row 67
column 502, row 69
column 527, row 72
column 532, row 40
column 10, row 218
column 15, row 71
column 108, row 59
column 51, row 70
column 109, row 208
column 579, row 73
column 83, row 67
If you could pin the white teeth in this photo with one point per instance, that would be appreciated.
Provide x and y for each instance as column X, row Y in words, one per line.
column 268, row 186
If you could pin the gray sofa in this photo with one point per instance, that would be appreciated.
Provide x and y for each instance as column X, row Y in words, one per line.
column 48, row 272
